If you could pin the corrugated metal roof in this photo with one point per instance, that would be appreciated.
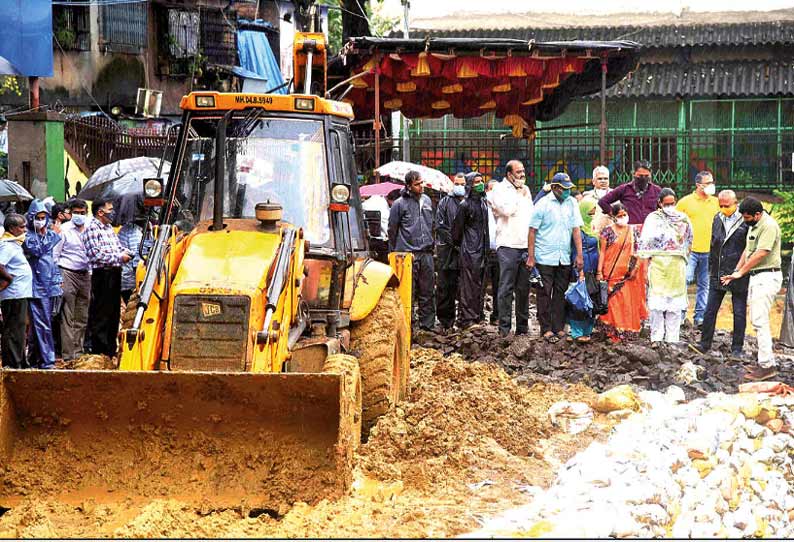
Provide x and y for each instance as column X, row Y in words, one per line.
column 675, row 35
column 714, row 79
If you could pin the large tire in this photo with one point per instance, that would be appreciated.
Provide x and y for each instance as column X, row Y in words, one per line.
column 379, row 342
column 348, row 366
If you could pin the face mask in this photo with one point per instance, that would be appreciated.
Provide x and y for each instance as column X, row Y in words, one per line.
column 751, row 223
column 110, row 215
column 669, row 210
column 564, row 195
column 458, row 190
column 79, row 220
column 600, row 192
column 728, row 211
column 39, row 223
column 518, row 183
column 479, row 188
column 710, row 189
column 623, row 220
column 642, row 182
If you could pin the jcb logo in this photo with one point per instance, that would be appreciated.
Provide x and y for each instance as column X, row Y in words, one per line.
column 210, row 309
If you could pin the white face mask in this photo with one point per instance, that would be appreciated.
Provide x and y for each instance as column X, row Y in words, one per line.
column 459, row 190
column 622, row 220
column 669, row 210
column 600, row 192
column 710, row 189
column 39, row 223
column 78, row 220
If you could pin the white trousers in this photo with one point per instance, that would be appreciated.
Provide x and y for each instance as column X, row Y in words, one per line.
column 665, row 326
column 761, row 295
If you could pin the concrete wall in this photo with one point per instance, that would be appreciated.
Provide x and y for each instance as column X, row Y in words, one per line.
column 35, row 152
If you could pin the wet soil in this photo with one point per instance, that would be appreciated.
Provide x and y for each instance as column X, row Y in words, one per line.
column 601, row 365
column 465, row 445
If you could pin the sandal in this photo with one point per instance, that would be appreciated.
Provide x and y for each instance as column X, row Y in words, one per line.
column 550, row 337
column 583, row 339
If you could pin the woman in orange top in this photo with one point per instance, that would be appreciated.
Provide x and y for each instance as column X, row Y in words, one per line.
column 625, row 275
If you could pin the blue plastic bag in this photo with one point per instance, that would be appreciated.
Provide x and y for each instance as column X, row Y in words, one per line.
column 578, row 298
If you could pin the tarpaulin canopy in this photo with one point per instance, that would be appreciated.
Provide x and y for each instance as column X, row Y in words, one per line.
column 257, row 60
column 520, row 81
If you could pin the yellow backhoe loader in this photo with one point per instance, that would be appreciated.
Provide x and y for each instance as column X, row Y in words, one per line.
column 261, row 340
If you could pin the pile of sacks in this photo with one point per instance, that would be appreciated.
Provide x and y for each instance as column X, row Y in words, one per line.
column 720, row 466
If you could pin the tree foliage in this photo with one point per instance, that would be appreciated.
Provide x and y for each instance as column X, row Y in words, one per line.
column 783, row 213
column 346, row 19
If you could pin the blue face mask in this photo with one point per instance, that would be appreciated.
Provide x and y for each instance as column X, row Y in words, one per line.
column 78, row 220
column 458, row 190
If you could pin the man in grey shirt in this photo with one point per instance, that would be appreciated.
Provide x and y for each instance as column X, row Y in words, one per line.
column 411, row 230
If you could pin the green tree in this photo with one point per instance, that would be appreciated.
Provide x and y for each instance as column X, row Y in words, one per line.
column 346, row 19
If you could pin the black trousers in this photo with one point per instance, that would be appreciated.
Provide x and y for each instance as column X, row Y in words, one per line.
column 15, row 320
column 513, row 279
column 446, row 296
column 423, row 285
column 551, row 298
column 492, row 277
column 471, row 292
column 739, row 302
column 105, row 310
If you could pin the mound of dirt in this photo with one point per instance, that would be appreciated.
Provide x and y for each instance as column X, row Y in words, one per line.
column 461, row 416
column 90, row 362
column 602, row 365
column 461, row 447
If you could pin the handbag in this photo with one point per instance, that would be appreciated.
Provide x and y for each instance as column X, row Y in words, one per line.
column 599, row 294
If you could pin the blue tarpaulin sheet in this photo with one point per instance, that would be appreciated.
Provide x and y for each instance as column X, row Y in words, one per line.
column 257, row 59
column 26, row 42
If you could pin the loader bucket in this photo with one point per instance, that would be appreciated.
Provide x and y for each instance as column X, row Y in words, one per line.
column 220, row 439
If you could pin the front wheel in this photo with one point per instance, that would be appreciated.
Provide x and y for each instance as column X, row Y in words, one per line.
column 379, row 342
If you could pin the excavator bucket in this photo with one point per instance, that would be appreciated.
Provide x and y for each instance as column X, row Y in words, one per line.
column 219, row 439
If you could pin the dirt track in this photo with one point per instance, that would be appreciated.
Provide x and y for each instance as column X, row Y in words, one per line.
column 463, row 447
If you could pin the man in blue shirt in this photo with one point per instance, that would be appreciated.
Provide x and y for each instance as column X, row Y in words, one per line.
column 553, row 223
column 16, row 288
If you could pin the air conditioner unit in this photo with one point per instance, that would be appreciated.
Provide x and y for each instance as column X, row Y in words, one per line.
column 149, row 102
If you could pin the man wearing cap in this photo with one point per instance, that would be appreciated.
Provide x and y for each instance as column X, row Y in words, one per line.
column 511, row 203
column 554, row 222
column 640, row 196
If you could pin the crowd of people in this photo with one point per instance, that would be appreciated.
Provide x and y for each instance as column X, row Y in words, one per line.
column 636, row 247
column 62, row 278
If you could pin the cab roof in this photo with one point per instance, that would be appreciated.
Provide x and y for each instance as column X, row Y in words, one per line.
column 287, row 103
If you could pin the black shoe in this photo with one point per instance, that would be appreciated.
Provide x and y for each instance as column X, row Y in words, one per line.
column 738, row 354
column 503, row 333
column 522, row 332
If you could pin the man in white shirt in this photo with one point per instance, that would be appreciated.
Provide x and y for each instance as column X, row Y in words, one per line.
column 511, row 203
column 71, row 257
column 600, row 189
column 379, row 245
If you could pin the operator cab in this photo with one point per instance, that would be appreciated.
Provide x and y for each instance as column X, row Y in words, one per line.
column 299, row 160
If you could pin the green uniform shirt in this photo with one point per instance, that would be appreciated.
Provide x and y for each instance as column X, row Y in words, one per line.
column 765, row 236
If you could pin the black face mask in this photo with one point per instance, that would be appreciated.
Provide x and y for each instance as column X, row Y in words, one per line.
column 751, row 223
column 641, row 182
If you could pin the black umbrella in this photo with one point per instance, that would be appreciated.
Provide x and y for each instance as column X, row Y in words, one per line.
column 13, row 191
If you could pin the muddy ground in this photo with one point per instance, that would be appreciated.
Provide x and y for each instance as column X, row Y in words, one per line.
column 469, row 442
column 463, row 447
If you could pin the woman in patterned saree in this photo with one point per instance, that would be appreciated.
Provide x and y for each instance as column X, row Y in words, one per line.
column 619, row 266
column 666, row 240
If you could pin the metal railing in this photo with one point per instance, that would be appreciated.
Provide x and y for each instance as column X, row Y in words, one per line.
column 97, row 141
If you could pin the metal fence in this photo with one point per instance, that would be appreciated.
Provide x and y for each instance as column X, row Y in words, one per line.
column 97, row 141
column 746, row 144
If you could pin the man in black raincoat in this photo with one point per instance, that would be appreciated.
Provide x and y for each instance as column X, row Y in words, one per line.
column 447, row 253
column 470, row 235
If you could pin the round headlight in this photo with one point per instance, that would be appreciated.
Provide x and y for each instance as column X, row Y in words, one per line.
column 340, row 193
column 153, row 188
